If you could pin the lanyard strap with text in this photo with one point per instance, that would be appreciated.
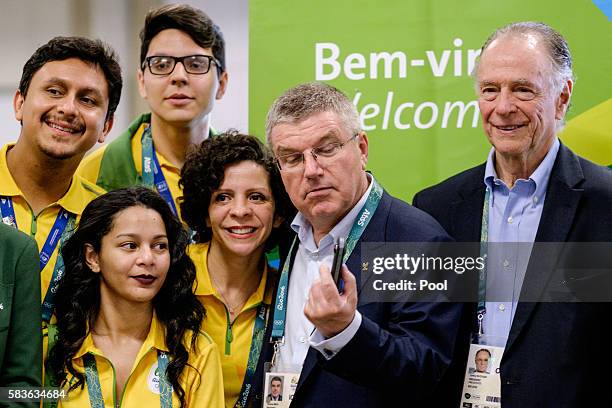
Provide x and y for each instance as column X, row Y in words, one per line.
column 67, row 227
column 7, row 212
column 259, row 330
column 361, row 222
column 95, row 390
column 481, row 309
column 60, row 231
column 152, row 175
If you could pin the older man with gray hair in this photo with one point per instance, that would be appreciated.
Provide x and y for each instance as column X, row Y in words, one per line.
column 532, row 188
column 346, row 354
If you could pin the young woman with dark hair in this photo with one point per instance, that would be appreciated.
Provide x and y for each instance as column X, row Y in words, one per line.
column 128, row 321
column 233, row 198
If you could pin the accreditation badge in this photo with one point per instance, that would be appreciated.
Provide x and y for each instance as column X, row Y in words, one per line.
column 279, row 389
column 482, row 384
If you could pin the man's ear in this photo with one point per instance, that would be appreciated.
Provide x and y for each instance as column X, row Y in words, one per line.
column 222, row 85
column 18, row 100
column 108, row 125
column 563, row 100
column 91, row 258
column 140, row 79
column 362, row 141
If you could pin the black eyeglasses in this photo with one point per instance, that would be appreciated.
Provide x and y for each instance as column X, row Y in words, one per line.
column 194, row 64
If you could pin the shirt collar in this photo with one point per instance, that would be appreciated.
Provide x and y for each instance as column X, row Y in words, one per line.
column 156, row 338
column 74, row 201
column 540, row 176
column 205, row 287
column 79, row 195
column 137, row 151
column 303, row 228
column 9, row 187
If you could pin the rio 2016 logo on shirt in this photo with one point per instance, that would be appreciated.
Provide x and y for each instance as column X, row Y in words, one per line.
column 153, row 379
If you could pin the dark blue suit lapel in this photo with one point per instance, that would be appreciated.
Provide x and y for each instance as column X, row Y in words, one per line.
column 466, row 214
column 562, row 199
column 375, row 232
column 465, row 218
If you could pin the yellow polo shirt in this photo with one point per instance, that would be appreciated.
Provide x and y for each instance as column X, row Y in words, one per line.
column 90, row 166
column 38, row 226
column 234, row 354
column 201, row 378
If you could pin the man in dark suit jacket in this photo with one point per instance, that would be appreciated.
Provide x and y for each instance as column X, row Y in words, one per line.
column 360, row 354
column 555, row 352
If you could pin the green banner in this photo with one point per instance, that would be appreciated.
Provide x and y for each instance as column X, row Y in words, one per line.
column 406, row 65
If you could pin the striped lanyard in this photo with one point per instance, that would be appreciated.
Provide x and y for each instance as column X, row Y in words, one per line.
column 259, row 331
column 95, row 390
column 60, row 231
column 152, row 175
column 481, row 309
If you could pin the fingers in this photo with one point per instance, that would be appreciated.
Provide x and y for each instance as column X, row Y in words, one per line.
column 330, row 311
column 327, row 285
column 325, row 273
column 350, row 283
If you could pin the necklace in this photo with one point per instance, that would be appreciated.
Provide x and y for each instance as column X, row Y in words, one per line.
column 233, row 310
column 245, row 289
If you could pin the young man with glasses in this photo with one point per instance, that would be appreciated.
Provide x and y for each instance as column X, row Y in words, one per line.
column 181, row 74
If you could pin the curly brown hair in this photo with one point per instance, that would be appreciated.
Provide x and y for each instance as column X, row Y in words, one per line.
column 203, row 173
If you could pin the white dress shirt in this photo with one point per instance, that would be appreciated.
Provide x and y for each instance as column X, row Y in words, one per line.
column 300, row 333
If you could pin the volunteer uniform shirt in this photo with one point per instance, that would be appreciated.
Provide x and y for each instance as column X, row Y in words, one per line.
column 38, row 226
column 119, row 163
column 201, row 377
column 232, row 338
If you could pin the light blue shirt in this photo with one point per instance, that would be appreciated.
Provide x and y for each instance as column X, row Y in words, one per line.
column 300, row 333
column 514, row 216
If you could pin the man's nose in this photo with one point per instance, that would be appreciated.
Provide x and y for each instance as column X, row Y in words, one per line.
column 179, row 74
column 312, row 168
column 505, row 103
column 67, row 106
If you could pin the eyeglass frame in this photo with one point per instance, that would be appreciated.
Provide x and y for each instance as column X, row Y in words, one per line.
column 313, row 153
column 211, row 59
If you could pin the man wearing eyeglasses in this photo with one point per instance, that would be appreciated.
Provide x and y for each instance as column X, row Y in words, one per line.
column 374, row 354
column 181, row 74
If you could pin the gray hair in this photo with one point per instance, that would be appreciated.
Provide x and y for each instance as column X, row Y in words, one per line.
column 558, row 50
column 305, row 100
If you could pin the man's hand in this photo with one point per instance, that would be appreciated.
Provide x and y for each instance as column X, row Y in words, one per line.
column 330, row 311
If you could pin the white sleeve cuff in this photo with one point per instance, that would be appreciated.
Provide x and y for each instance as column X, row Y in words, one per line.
column 330, row 347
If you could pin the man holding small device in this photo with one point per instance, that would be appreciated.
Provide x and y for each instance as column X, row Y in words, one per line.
column 346, row 355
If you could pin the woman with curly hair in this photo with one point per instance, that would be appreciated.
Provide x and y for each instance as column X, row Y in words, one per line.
column 128, row 322
column 233, row 198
